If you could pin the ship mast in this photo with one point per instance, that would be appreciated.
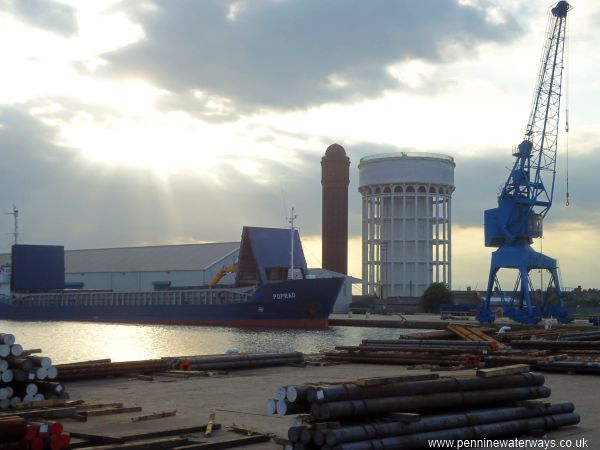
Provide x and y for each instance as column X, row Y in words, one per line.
column 15, row 214
column 291, row 222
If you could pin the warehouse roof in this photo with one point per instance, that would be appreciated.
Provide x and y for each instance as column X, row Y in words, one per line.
column 158, row 258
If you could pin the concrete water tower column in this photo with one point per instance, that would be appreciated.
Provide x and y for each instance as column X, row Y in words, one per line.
column 406, row 222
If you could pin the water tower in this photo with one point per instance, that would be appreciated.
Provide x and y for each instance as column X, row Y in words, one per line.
column 406, row 222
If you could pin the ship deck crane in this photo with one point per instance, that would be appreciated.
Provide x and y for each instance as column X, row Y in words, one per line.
column 526, row 197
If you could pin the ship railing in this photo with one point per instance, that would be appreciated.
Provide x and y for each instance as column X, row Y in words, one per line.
column 151, row 298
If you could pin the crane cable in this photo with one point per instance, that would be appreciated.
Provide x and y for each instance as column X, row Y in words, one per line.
column 568, row 80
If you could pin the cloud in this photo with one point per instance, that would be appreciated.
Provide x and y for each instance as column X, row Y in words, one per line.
column 293, row 54
column 46, row 14
column 66, row 198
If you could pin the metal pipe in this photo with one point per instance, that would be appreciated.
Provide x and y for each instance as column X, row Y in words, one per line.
column 242, row 364
column 298, row 393
column 284, row 407
column 570, row 366
column 428, row 342
column 294, row 433
column 439, row 422
column 355, row 392
column 408, row 403
column 398, row 360
column 555, row 344
column 486, row 431
column 409, row 348
column 7, row 338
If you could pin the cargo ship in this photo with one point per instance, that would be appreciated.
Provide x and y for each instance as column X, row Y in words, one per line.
column 272, row 289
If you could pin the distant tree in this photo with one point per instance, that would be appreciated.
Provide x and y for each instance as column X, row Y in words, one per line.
column 434, row 296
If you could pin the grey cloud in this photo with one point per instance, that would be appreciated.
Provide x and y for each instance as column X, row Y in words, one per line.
column 64, row 198
column 281, row 54
column 46, row 14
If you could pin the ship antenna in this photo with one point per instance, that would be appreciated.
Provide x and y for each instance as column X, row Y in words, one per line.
column 15, row 214
column 291, row 222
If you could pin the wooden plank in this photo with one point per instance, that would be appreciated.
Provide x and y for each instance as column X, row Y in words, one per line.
column 153, row 416
column 231, row 443
column 169, row 432
column 109, row 411
column 88, row 407
column 209, row 425
column 41, row 404
column 178, row 374
column 375, row 381
column 156, row 444
column 503, row 370
column 55, row 413
column 99, row 439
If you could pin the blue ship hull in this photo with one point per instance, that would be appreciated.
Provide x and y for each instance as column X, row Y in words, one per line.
column 304, row 303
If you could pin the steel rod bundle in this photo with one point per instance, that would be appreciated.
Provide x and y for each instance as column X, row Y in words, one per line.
column 486, row 431
column 80, row 371
column 47, row 435
column 429, row 342
column 22, row 372
column 395, row 414
column 437, row 422
column 236, row 361
column 410, row 349
column 571, row 366
column 591, row 336
column 555, row 345
column 422, row 402
column 355, row 392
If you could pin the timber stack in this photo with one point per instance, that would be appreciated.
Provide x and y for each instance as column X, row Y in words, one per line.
column 398, row 412
column 26, row 377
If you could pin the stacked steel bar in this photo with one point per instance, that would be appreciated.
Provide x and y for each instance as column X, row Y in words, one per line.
column 46, row 435
column 414, row 351
column 290, row 400
column 24, row 377
column 368, row 408
column 235, row 361
column 83, row 370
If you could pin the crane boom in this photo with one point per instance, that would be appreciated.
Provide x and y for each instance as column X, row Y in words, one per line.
column 526, row 197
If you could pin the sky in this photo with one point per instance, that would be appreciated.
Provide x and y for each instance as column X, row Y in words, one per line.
column 147, row 122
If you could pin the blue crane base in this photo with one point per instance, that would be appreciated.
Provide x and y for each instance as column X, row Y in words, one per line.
column 519, row 307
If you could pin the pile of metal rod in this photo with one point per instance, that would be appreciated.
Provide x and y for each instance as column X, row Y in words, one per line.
column 289, row 400
column 46, row 436
column 98, row 369
column 24, row 376
column 236, row 361
column 545, row 350
column 397, row 414
column 414, row 351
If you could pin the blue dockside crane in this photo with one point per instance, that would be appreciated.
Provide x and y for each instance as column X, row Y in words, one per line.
column 526, row 197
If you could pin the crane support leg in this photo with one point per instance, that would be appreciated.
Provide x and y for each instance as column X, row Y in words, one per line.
column 521, row 307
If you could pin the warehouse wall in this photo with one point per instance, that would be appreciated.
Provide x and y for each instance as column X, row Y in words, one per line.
column 143, row 281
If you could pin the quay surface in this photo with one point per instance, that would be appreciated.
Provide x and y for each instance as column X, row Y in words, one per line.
column 239, row 398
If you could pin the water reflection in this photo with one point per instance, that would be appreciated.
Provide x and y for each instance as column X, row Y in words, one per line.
column 77, row 341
